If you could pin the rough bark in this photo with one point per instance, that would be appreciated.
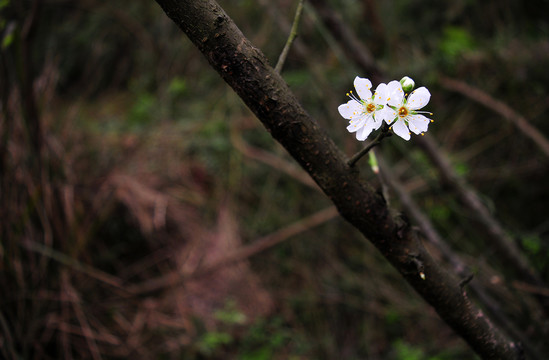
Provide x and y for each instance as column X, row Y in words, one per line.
column 247, row 71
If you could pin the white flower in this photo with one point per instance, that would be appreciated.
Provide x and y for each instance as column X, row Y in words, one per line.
column 362, row 112
column 402, row 114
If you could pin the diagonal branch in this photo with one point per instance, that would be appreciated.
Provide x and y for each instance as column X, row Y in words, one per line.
column 350, row 44
column 510, row 254
column 247, row 71
column 242, row 253
column 502, row 243
column 460, row 267
column 499, row 107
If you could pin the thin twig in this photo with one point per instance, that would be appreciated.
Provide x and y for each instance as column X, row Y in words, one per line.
column 499, row 107
column 503, row 244
column 87, row 332
column 272, row 8
column 291, row 37
column 269, row 241
column 429, row 232
column 272, row 160
column 543, row 291
column 351, row 45
column 507, row 250
column 72, row 263
column 382, row 134
column 239, row 254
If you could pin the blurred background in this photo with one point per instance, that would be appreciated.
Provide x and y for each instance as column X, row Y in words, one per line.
column 145, row 212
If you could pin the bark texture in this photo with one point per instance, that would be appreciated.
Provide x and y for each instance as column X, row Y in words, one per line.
column 248, row 72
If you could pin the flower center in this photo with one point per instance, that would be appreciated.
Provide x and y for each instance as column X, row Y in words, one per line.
column 370, row 108
column 402, row 112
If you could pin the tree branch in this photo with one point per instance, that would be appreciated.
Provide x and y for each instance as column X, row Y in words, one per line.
column 377, row 140
column 499, row 107
column 291, row 38
column 502, row 243
column 460, row 267
column 351, row 45
column 247, row 71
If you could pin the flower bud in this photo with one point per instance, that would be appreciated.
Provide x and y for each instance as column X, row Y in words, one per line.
column 407, row 84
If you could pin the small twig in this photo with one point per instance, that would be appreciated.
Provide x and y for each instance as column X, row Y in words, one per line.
column 346, row 40
column 272, row 160
column 243, row 253
column 291, row 38
column 420, row 268
column 87, row 331
column 267, row 242
column 73, row 263
column 532, row 289
column 499, row 107
column 498, row 238
column 466, row 280
column 382, row 134
column 460, row 267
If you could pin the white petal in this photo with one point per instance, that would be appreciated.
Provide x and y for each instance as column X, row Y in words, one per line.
column 418, row 123
column 363, row 87
column 395, row 95
column 376, row 122
column 386, row 114
column 380, row 97
column 355, row 125
column 400, row 128
column 419, row 98
column 364, row 132
column 351, row 109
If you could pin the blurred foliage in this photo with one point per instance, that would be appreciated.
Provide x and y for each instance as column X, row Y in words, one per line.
column 142, row 157
column 455, row 43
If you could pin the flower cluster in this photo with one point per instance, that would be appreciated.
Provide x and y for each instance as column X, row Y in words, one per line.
column 389, row 103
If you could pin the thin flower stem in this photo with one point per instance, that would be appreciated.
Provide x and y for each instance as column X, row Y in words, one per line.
column 291, row 38
column 382, row 134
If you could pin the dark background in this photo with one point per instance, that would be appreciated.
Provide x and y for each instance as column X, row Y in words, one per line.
column 127, row 161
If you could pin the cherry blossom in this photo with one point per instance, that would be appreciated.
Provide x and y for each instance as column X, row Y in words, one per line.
column 362, row 111
column 402, row 113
